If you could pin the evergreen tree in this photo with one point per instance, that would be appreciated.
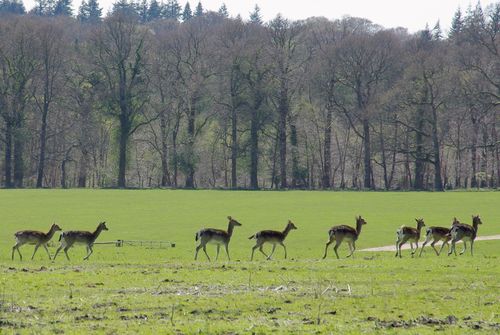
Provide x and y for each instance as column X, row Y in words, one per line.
column 63, row 8
column 187, row 13
column 457, row 25
column 223, row 10
column 154, row 11
column 43, row 8
column 255, row 16
column 90, row 11
column 172, row 10
column 12, row 7
column 142, row 10
column 125, row 7
column 437, row 33
column 199, row 10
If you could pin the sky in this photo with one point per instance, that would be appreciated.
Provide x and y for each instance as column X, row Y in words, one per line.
column 410, row 14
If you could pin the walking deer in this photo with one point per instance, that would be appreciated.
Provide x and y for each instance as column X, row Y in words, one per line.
column 69, row 238
column 464, row 232
column 271, row 236
column 215, row 236
column 436, row 234
column 35, row 237
column 411, row 234
column 344, row 232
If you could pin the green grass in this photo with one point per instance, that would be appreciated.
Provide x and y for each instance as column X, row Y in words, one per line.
column 134, row 289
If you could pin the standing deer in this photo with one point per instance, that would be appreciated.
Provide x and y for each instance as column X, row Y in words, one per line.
column 69, row 238
column 411, row 234
column 437, row 234
column 34, row 237
column 344, row 232
column 271, row 236
column 215, row 236
column 464, row 232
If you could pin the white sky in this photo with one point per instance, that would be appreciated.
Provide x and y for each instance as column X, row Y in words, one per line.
column 411, row 14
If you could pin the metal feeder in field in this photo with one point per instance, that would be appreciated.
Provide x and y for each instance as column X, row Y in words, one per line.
column 140, row 243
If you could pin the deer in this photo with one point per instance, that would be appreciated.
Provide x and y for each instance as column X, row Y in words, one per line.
column 464, row 232
column 35, row 237
column 71, row 237
column 436, row 234
column 271, row 236
column 405, row 234
column 215, row 236
column 344, row 232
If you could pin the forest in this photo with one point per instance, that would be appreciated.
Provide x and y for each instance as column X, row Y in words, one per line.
column 154, row 95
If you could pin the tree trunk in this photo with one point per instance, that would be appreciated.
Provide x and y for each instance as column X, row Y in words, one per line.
column 367, row 158
column 43, row 145
column 438, row 182
column 283, row 114
column 8, row 155
column 122, row 159
column 254, row 150
column 327, row 150
column 18, row 158
column 473, row 151
column 191, row 133
column 82, row 171
column 234, row 147
column 295, row 155
column 165, row 175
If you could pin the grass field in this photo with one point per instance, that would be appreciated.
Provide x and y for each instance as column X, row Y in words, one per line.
column 137, row 289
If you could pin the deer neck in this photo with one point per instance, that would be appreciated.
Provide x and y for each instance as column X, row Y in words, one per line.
column 359, row 225
column 475, row 226
column 419, row 227
column 51, row 233
column 230, row 229
column 288, row 228
column 97, row 232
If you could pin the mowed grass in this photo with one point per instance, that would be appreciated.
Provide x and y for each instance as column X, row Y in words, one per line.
column 138, row 289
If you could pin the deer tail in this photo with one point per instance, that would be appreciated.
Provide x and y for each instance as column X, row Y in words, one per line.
column 253, row 236
column 196, row 236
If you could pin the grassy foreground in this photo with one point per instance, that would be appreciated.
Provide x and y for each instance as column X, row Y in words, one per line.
column 137, row 289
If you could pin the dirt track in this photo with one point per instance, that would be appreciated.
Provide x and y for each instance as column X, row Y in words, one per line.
column 407, row 245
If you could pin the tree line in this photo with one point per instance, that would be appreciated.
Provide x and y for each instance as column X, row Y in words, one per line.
column 157, row 95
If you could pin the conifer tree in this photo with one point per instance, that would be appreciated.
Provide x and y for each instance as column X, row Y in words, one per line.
column 199, row 10
column 187, row 13
column 172, row 10
column 255, row 16
column 223, row 10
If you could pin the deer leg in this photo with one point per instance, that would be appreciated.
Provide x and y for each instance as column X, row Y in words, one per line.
column 34, row 251
column 326, row 247
column 397, row 247
column 205, row 251
column 227, row 251
column 272, row 252
column 442, row 246
column 253, row 250
column 283, row 248
column 47, row 249
column 352, row 246
column 14, row 248
column 262, row 251
column 416, row 248
column 57, row 251
column 465, row 248
column 66, row 251
column 218, row 249
column 89, row 252
column 471, row 247
column 335, row 249
column 422, row 249
column 196, row 253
